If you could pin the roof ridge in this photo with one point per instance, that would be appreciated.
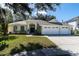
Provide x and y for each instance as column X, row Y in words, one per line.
column 73, row 19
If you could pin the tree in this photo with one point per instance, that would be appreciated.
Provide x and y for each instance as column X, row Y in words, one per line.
column 3, row 21
column 46, row 7
column 44, row 17
column 50, row 17
column 21, row 8
column 9, row 16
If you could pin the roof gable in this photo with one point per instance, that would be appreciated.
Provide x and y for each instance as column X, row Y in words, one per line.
column 73, row 19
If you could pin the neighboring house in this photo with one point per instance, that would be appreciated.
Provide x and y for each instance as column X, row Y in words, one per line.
column 39, row 27
column 74, row 22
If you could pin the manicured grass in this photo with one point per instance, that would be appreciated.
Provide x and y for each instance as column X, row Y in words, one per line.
column 16, row 40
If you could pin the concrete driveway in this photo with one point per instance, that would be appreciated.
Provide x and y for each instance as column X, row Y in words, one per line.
column 70, row 43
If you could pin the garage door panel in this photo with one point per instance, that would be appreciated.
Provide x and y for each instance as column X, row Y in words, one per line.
column 50, row 31
column 65, row 31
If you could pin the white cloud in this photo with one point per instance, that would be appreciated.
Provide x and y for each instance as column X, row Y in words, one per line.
column 42, row 12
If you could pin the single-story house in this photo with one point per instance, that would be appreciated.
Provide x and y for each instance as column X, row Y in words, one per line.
column 39, row 27
column 74, row 22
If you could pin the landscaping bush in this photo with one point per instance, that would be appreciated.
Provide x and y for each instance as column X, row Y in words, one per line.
column 3, row 45
column 76, row 32
column 38, row 31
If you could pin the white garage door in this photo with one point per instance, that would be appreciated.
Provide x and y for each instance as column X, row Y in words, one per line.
column 65, row 30
column 50, row 30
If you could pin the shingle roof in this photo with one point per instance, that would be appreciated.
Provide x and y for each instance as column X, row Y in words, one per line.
column 40, row 22
column 53, row 20
column 73, row 19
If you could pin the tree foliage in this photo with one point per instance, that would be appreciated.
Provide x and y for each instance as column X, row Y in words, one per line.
column 22, row 8
column 46, row 6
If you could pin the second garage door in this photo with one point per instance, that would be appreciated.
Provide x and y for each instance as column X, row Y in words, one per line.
column 65, row 31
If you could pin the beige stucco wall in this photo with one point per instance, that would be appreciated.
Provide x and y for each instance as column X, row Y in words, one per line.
column 10, row 28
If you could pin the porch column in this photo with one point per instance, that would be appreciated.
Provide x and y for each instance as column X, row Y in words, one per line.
column 35, row 26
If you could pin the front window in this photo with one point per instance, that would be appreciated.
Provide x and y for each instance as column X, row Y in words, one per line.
column 15, row 28
column 64, row 27
column 22, row 28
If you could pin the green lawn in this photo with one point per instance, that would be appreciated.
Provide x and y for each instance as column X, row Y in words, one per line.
column 15, row 41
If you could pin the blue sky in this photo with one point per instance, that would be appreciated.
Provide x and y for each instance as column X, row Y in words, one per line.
column 66, row 11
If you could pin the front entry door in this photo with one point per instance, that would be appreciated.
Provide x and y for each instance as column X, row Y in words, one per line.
column 32, row 29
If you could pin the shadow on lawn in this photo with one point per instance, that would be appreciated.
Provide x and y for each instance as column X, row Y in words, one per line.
column 28, row 47
column 7, row 38
column 33, row 49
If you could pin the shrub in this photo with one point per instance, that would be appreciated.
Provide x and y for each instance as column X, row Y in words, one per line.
column 3, row 45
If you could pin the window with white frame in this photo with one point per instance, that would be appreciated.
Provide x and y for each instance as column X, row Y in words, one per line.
column 15, row 28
